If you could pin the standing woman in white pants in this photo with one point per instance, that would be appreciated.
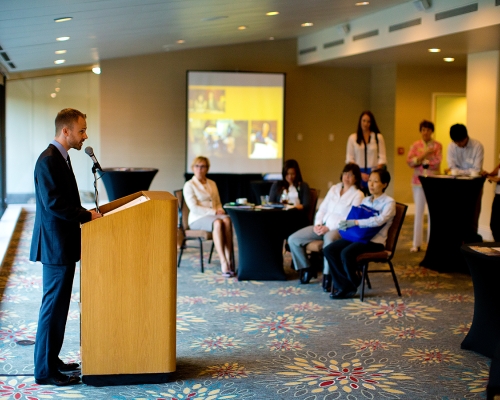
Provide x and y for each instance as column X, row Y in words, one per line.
column 425, row 158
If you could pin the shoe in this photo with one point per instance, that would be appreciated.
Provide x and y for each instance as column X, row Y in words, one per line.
column 307, row 275
column 229, row 274
column 62, row 367
column 414, row 249
column 341, row 294
column 59, row 380
column 327, row 283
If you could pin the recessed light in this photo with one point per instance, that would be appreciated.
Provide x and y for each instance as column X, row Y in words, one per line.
column 53, row 95
column 271, row 37
column 272, row 13
column 434, row 50
column 180, row 41
column 60, row 51
column 57, row 89
column 59, row 61
column 362, row 3
column 449, row 59
column 63, row 19
column 96, row 70
column 307, row 24
column 242, row 28
column 62, row 38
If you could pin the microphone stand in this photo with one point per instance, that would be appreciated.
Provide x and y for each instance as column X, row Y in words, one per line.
column 94, row 171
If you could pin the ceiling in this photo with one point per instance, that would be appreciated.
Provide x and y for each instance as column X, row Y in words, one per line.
column 104, row 29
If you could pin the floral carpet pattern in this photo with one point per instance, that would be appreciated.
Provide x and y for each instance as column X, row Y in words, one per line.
column 272, row 340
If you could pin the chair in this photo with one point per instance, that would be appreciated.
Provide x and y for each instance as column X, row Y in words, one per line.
column 189, row 234
column 313, row 199
column 386, row 255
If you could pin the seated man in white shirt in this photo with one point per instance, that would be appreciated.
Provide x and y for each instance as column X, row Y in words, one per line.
column 465, row 157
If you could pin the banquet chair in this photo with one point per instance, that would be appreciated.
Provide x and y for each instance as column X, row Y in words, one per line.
column 386, row 255
column 185, row 234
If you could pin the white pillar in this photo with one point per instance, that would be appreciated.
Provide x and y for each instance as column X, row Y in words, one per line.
column 483, row 89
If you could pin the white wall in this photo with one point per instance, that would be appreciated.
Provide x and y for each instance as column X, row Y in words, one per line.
column 30, row 126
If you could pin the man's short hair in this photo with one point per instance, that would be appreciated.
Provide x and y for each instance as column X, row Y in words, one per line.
column 67, row 117
column 427, row 124
column 458, row 132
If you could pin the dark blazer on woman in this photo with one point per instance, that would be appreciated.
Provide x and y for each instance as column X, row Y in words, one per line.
column 59, row 212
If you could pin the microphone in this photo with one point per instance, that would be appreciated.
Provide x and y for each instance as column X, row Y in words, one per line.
column 90, row 151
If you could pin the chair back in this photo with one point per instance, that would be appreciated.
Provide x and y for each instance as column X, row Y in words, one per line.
column 397, row 223
column 182, row 209
column 313, row 200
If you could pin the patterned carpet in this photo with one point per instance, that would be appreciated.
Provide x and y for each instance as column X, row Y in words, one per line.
column 273, row 340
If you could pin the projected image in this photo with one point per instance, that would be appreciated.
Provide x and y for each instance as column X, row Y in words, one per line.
column 217, row 138
column 207, row 100
column 263, row 140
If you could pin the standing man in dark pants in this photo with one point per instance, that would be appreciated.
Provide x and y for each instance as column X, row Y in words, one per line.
column 57, row 243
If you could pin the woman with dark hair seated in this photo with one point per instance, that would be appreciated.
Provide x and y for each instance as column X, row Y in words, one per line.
column 333, row 209
column 341, row 254
column 292, row 189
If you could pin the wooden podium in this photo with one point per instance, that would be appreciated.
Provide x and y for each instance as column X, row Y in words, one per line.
column 128, row 292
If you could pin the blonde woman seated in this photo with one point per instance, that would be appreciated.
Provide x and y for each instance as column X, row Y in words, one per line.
column 206, row 212
column 333, row 209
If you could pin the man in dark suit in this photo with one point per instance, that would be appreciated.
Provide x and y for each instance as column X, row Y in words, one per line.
column 56, row 243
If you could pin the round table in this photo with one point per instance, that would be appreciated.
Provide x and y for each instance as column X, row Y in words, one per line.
column 483, row 336
column 452, row 203
column 120, row 182
column 260, row 234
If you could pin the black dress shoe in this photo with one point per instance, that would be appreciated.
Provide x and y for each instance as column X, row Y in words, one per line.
column 307, row 275
column 59, row 380
column 342, row 294
column 62, row 367
column 327, row 282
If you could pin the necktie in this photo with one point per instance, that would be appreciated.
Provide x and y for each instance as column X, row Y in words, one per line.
column 69, row 163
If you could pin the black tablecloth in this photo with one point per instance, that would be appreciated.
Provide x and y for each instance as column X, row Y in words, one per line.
column 120, row 182
column 484, row 334
column 260, row 236
column 451, row 202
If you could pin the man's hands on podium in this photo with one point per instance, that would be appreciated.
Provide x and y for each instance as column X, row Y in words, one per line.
column 95, row 215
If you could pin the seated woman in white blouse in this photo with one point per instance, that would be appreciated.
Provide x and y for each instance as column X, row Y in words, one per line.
column 333, row 209
column 206, row 212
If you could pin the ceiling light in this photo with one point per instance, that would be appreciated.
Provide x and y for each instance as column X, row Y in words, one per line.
column 272, row 13
column 62, row 38
column 449, row 59
column 96, row 70
column 59, row 61
column 180, row 41
column 60, row 51
column 362, row 3
column 53, row 95
column 63, row 19
column 242, row 28
column 434, row 50
column 271, row 37
column 57, row 89
column 307, row 24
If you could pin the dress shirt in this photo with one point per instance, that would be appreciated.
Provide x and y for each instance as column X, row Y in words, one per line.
column 466, row 159
column 417, row 149
column 335, row 207
column 355, row 152
column 386, row 206
column 61, row 149
column 201, row 199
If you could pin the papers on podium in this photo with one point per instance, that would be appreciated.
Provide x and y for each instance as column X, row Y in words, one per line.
column 139, row 200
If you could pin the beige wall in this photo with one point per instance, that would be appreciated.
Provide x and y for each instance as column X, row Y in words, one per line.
column 414, row 90
column 143, row 108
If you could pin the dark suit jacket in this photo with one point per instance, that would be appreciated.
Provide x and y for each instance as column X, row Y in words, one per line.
column 56, row 234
